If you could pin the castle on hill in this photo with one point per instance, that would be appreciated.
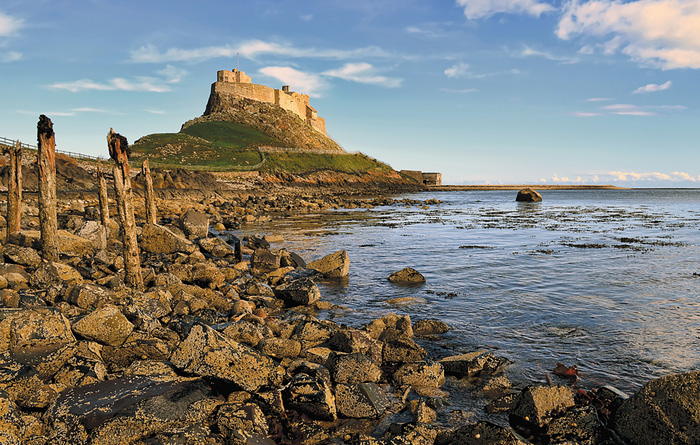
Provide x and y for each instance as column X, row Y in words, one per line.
column 237, row 83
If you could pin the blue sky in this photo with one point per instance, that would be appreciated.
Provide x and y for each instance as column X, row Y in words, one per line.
column 484, row 91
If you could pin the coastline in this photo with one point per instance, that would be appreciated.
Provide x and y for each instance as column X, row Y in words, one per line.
column 455, row 188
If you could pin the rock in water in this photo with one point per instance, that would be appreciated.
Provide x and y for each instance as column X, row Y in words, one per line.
column 335, row 265
column 407, row 275
column 528, row 195
column 665, row 410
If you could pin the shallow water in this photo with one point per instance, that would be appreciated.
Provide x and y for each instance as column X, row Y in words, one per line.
column 604, row 279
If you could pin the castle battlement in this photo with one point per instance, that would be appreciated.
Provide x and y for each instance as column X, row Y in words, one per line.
column 237, row 83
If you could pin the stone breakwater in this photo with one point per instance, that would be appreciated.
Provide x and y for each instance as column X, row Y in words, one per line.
column 223, row 350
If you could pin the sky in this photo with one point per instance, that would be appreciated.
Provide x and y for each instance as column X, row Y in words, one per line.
column 483, row 91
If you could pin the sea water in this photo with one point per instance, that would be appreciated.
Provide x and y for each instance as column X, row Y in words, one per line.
column 608, row 280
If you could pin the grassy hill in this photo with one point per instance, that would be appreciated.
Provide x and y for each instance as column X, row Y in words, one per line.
column 206, row 145
column 231, row 146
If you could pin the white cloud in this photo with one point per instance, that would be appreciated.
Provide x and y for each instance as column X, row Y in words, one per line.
column 598, row 99
column 89, row 110
column 306, row 83
column 12, row 56
column 249, row 49
column 173, row 74
column 147, row 84
column 479, row 9
column 152, row 111
column 9, row 25
column 585, row 114
column 459, row 70
column 662, row 33
column 652, row 88
column 530, row 52
column 634, row 176
column 628, row 110
column 363, row 73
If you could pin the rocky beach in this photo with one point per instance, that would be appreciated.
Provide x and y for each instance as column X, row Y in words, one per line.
column 227, row 342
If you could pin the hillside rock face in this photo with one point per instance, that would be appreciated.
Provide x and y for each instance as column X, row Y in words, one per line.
column 267, row 118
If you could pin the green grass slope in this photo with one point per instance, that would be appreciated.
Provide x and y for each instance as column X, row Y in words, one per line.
column 206, row 146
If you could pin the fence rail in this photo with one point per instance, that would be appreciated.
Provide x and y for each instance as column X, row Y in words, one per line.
column 6, row 142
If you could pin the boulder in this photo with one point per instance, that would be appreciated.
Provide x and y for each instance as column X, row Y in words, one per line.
column 354, row 340
column 361, row 401
column 235, row 421
column 335, row 265
column 298, row 292
column 577, row 425
column 194, row 224
column 74, row 245
column 536, row 405
column 312, row 332
column 123, row 410
column 159, row 239
column 665, row 410
column 422, row 374
column 528, row 195
column 246, row 332
column 24, row 256
column 207, row 353
column 473, row 364
column 215, row 246
column 52, row 274
column 429, row 327
column 33, row 331
column 279, row 348
column 407, row 275
column 264, row 261
column 480, row 433
column 95, row 232
column 106, row 325
column 312, row 395
column 402, row 350
column 12, row 426
column 88, row 296
column 353, row 368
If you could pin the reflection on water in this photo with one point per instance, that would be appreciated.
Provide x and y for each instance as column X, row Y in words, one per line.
column 603, row 279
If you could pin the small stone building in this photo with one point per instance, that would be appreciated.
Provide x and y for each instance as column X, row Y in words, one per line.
column 424, row 177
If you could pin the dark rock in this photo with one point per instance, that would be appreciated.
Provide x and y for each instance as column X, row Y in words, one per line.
column 312, row 332
column 578, row 425
column 235, row 422
column 256, row 242
column 194, row 224
column 299, row 273
column 536, row 405
column 354, row 340
column 665, row 410
column 88, row 296
column 429, row 327
column 335, row 265
column 216, row 246
column 298, row 292
column 473, row 364
column 402, row 350
column 293, row 260
column 122, row 410
column 207, row 353
column 481, row 433
column 363, row 400
column 407, row 275
column 528, row 195
column 24, row 256
column 28, row 332
column 311, row 395
column 262, row 261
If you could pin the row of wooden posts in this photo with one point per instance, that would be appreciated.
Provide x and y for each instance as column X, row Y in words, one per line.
column 48, row 218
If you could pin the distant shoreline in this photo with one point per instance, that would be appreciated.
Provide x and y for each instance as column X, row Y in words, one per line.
column 454, row 188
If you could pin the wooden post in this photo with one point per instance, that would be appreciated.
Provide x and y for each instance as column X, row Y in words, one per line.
column 14, row 190
column 104, row 200
column 150, row 195
column 119, row 151
column 47, row 189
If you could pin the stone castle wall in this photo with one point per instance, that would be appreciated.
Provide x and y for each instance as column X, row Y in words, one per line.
column 237, row 83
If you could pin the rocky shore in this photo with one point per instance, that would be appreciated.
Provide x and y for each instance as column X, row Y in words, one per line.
column 230, row 345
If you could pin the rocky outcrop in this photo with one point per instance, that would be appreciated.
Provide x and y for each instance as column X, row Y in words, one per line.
column 528, row 195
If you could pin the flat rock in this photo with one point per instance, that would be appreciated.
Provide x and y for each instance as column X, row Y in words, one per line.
column 158, row 239
column 536, row 405
column 33, row 331
column 106, row 325
column 353, row 368
column 425, row 374
column 207, row 353
column 298, row 292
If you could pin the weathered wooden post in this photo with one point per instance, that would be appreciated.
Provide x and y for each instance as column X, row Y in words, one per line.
column 150, row 195
column 119, row 151
column 104, row 199
column 14, row 190
column 48, row 222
